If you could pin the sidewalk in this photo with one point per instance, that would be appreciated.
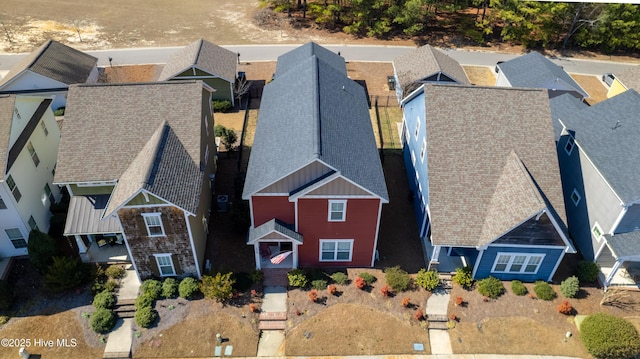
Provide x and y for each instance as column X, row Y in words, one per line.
column 121, row 337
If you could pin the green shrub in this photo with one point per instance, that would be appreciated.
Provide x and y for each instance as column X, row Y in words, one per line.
column 297, row 278
column 145, row 317
column 369, row 278
column 491, row 287
column 110, row 285
column 104, row 300
column 143, row 301
column 518, row 288
column 6, row 295
column 588, row 271
column 219, row 130
column 102, row 320
column 41, row 248
column 219, row 287
column 570, row 287
column 222, row 106
column 242, row 281
column 340, row 278
column 115, row 271
column 319, row 284
column 59, row 112
column 188, row 288
column 544, row 291
column 64, row 273
column 169, row 288
column 607, row 336
column 463, row 277
column 398, row 279
column 256, row 276
column 152, row 288
column 428, row 280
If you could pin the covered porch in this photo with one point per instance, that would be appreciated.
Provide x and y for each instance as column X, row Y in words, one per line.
column 442, row 259
column 275, row 245
column 620, row 260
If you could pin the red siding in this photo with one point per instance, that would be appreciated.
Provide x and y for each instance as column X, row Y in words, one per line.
column 360, row 225
column 266, row 208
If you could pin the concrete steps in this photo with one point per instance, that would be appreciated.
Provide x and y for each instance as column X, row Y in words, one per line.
column 272, row 316
column 272, row 325
column 125, row 308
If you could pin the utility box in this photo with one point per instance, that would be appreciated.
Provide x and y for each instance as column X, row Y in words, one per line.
column 391, row 82
column 223, row 203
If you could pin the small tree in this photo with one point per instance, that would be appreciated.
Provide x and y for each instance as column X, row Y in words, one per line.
column 385, row 290
column 332, row 289
column 607, row 336
column 570, row 287
column 42, row 249
column 429, row 280
column 565, row 308
column 368, row 278
column 219, row 287
column 360, row 283
column 229, row 139
column 313, row 295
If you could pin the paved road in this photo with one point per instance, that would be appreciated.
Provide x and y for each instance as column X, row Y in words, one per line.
column 250, row 53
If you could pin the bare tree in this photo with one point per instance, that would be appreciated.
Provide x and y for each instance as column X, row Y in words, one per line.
column 241, row 87
column 5, row 28
column 620, row 298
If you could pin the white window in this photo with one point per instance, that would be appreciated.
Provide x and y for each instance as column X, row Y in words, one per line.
column 569, row 146
column 332, row 250
column 14, row 188
column 44, row 128
column 165, row 265
column 34, row 155
column 17, row 113
column 423, row 149
column 575, row 197
column 337, row 210
column 597, row 232
column 48, row 194
column 2, row 204
column 417, row 127
column 153, row 221
column 517, row 263
column 16, row 237
column 33, row 224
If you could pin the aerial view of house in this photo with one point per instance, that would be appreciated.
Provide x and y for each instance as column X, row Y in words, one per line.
column 314, row 181
column 29, row 140
column 137, row 161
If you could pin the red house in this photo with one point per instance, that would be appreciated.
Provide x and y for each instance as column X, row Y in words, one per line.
column 314, row 182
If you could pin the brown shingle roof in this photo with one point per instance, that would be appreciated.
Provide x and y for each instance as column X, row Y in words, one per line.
column 205, row 56
column 491, row 159
column 630, row 78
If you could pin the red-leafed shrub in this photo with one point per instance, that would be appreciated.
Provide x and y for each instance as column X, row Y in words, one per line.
column 385, row 290
column 565, row 308
column 418, row 315
column 332, row 289
column 459, row 300
column 313, row 295
column 298, row 312
column 360, row 283
column 253, row 308
column 453, row 317
column 254, row 293
column 405, row 302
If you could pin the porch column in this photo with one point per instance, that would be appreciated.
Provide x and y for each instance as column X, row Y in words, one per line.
column 256, row 253
column 295, row 255
column 83, row 251
column 433, row 261
column 612, row 274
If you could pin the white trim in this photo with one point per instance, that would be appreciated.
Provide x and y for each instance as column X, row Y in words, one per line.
column 157, row 215
column 615, row 225
column 524, row 246
column 570, row 248
column 289, row 174
column 328, row 180
column 575, row 192
column 413, row 158
column 193, row 247
column 423, row 150
column 570, row 141
column 345, row 196
column 258, row 194
column 295, row 214
column 331, row 211
column 336, row 241
column 417, row 131
column 477, row 264
column 173, row 267
column 596, row 226
column 555, row 268
column 411, row 95
column 124, row 203
column 95, row 183
column 251, row 212
column 145, row 195
column 375, row 242
column 126, row 242
column 509, row 264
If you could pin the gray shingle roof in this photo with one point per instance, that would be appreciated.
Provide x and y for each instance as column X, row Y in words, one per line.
column 608, row 133
column 561, row 107
column 55, row 61
column 313, row 112
column 536, row 71
column 426, row 61
column 205, row 56
column 491, row 159
column 272, row 226
column 146, row 136
column 630, row 78
column 624, row 244
column 292, row 58
column 7, row 104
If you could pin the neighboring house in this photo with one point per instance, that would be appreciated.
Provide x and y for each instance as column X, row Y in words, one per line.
column 314, row 183
column 600, row 166
column 625, row 80
column 49, row 70
column 483, row 169
column 425, row 65
column 138, row 161
column 29, row 140
column 202, row 60
column 536, row 71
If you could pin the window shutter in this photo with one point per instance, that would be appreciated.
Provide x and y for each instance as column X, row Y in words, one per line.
column 176, row 264
column 166, row 224
column 141, row 227
column 153, row 265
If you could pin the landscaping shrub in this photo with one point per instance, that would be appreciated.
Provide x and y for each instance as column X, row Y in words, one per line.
column 219, row 130
column 491, row 287
column 397, row 278
column 145, row 317
column 223, row 106
column 6, row 295
column 188, row 288
column 607, row 336
column 144, row 301
column 64, row 273
column 418, row 315
column 110, row 285
column 360, row 283
column 570, row 287
column 243, row 281
column 319, row 284
column 115, row 271
column 544, row 291
column 368, row 278
column 406, row 302
column 104, row 300
column 313, row 295
column 385, row 290
column 340, row 278
column 169, row 288
column 219, row 287
column 565, row 308
column 428, row 280
column 41, row 248
column 463, row 277
column 588, row 271
column 59, row 112
column 102, row 320
column 253, row 308
column 297, row 278
column 332, row 289
column 256, row 276
column 458, row 300
column 152, row 288
column 518, row 288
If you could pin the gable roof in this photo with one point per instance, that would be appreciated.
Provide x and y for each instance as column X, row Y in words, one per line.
column 414, row 66
column 313, row 112
column 7, row 104
column 205, row 56
column 492, row 161
column 55, row 61
column 145, row 136
column 536, row 71
column 274, row 226
column 562, row 107
column 292, row 58
column 608, row 133
column 630, row 78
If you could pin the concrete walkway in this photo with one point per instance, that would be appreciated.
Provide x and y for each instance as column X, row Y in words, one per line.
column 437, row 305
column 121, row 337
column 271, row 343
column 420, row 356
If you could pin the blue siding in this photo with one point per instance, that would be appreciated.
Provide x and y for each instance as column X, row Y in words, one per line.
column 471, row 254
column 544, row 272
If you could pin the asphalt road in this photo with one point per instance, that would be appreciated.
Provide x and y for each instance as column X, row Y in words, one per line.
column 250, row 53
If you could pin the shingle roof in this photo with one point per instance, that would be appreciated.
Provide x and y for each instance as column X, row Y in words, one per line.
column 146, row 136
column 608, row 133
column 205, row 56
column 7, row 104
column 314, row 112
column 624, row 244
column 536, row 71
column 55, row 61
column 630, row 78
column 292, row 58
column 416, row 65
column 492, row 161
column 272, row 226
column 561, row 107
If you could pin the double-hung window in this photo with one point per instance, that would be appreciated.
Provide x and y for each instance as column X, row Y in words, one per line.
column 33, row 154
column 165, row 265
column 33, row 224
column 44, row 128
column 336, row 250
column 337, row 210
column 48, row 194
column 2, row 204
column 597, row 232
column 14, row 188
column 153, row 221
column 517, row 263
column 16, row 237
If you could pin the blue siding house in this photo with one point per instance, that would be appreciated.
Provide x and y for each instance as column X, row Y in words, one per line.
column 484, row 174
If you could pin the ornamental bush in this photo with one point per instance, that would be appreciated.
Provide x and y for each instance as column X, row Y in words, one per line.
column 41, row 248
column 102, row 320
column 64, row 273
column 360, row 283
column 518, row 288
column 256, row 276
column 385, row 290
column 169, row 288
column 152, row 288
column 398, row 279
column 369, row 278
column 145, row 317
column 297, row 278
column 104, row 300
column 340, row 278
column 463, row 277
column 188, row 288
column 588, row 271
column 606, row 336
column 491, row 287
column 565, row 308
column 143, row 301
column 428, row 280
column 319, row 284
column 115, row 271
column 544, row 291
column 222, row 106
column 219, row 287
column 570, row 287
